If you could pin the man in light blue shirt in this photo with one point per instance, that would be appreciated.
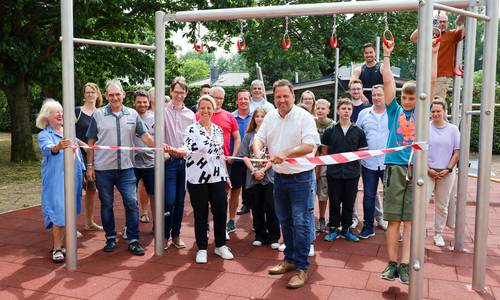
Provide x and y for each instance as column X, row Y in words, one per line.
column 373, row 120
column 258, row 99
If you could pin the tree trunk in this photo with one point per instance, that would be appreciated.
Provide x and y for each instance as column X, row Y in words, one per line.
column 21, row 148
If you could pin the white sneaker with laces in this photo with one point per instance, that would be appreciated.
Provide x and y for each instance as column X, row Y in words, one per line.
column 281, row 248
column 224, row 252
column 438, row 240
column 354, row 222
column 275, row 246
column 382, row 224
column 201, row 257
column 311, row 251
column 257, row 243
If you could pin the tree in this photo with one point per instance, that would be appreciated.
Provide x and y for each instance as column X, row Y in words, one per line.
column 194, row 69
column 30, row 52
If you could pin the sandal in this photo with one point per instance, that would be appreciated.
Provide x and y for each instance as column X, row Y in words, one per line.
column 145, row 218
column 57, row 256
column 93, row 227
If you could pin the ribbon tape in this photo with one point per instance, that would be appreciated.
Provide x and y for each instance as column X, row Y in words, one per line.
column 331, row 159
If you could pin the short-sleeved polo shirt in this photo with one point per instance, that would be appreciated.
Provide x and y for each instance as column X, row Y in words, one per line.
column 337, row 142
column 110, row 129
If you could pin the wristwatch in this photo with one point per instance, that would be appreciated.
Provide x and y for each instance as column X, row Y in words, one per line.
column 449, row 170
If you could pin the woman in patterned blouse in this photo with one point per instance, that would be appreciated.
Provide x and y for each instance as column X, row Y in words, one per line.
column 207, row 178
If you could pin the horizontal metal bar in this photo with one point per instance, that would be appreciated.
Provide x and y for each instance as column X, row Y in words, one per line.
column 461, row 12
column 277, row 11
column 497, row 105
column 112, row 44
column 473, row 112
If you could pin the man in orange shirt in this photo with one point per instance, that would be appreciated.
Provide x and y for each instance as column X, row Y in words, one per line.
column 447, row 50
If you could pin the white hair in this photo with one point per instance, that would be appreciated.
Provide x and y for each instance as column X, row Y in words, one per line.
column 114, row 82
column 216, row 89
column 48, row 106
column 206, row 98
column 257, row 82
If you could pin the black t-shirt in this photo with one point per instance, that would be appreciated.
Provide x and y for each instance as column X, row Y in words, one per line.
column 82, row 124
column 356, row 110
column 370, row 77
column 337, row 142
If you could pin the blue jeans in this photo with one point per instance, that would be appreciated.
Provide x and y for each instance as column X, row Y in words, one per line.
column 175, row 190
column 125, row 181
column 294, row 204
column 370, row 185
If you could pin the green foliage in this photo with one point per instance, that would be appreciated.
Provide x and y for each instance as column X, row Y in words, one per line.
column 229, row 102
column 194, row 69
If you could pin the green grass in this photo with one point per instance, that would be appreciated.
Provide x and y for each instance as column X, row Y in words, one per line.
column 20, row 183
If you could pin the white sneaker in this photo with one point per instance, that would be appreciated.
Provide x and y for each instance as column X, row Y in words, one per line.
column 257, row 243
column 224, row 252
column 354, row 222
column 382, row 224
column 201, row 257
column 311, row 251
column 281, row 248
column 438, row 240
column 275, row 246
column 227, row 236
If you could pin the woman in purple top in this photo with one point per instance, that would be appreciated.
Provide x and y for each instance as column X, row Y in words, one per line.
column 444, row 145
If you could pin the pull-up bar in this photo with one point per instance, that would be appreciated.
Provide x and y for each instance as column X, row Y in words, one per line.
column 304, row 10
column 461, row 12
column 111, row 44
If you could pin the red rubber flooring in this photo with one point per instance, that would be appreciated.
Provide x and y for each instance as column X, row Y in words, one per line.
column 339, row 270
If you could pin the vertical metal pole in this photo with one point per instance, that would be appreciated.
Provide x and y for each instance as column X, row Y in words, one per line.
column 465, row 128
column 337, row 75
column 159, row 131
column 455, row 119
column 68, row 83
column 260, row 77
column 377, row 47
column 485, row 145
column 424, row 72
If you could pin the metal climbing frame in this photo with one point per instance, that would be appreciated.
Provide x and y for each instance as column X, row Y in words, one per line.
column 423, row 75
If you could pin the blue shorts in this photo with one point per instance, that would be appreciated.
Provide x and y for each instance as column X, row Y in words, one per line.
column 148, row 178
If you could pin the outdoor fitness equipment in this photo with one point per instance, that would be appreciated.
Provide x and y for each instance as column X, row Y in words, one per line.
column 388, row 40
column 241, row 43
column 286, row 42
column 198, row 42
column 333, row 37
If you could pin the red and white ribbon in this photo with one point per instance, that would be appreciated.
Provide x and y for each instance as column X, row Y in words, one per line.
column 331, row 159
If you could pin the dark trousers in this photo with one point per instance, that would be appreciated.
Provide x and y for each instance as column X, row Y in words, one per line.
column 265, row 221
column 201, row 195
column 342, row 192
column 175, row 174
column 370, row 185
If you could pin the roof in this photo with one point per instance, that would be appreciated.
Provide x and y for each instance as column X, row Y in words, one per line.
column 225, row 79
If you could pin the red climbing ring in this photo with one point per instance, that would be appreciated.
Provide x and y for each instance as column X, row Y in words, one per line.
column 333, row 41
column 388, row 41
column 198, row 47
column 459, row 71
column 286, row 42
column 241, row 44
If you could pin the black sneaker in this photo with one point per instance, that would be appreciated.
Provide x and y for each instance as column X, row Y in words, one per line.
column 243, row 210
column 110, row 245
column 136, row 248
column 404, row 273
column 390, row 272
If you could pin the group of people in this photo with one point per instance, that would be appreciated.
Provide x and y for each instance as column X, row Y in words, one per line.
column 219, row 156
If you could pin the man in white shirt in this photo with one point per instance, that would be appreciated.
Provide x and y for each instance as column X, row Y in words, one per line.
column 290, row 132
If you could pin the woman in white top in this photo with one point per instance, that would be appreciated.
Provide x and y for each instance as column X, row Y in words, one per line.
column 207, row 178
column 444, row 145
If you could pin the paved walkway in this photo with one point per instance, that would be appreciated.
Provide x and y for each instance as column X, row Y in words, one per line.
column 340, row 270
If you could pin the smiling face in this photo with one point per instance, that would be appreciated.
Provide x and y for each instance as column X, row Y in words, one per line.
column 369, row 55
column 219, row 98
column 90, row 94
column 243, row 101
column 308, row 100
column 257, row 92
column 141, row 104
column 322, row 110
column 442, row 22
column 355, row 90
column 259, row 117
column 55, row 117
column 437, row 113
column 408, row 101
column 178, row 94
column 115, row 96
column 206, row 110
column 378, row 97
column 283, row 99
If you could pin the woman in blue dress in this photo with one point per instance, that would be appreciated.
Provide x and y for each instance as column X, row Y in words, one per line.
column 52, row 144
